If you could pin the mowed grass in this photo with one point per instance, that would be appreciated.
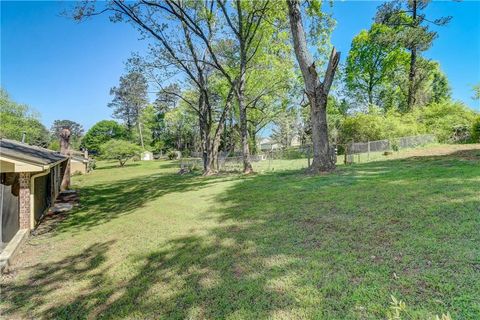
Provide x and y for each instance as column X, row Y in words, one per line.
column 147, row 243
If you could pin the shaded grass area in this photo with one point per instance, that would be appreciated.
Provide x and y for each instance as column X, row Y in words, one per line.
column 148, row 243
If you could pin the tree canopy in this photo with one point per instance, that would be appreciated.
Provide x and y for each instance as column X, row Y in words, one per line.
column 102, row 132
column 19, row 119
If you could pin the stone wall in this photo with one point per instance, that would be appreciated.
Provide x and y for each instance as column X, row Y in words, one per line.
column 24, row 199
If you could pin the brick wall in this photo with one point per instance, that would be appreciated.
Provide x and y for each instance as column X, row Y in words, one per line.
column 24, row 198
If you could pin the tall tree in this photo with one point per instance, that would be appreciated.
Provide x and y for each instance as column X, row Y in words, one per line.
column 245, row 20
column 316, row 90
column 183, row 35
column 76, row 130
column 371, row 63
column 271, row 79
column 412, row 26
column 102, row 132
column 129, row 99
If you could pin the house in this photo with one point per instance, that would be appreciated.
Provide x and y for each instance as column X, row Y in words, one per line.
column 268, row 144
column 30, row 181
column 79, row 164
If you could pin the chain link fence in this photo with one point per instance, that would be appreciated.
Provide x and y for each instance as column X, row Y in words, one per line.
column 370, row 150
column 301, row 156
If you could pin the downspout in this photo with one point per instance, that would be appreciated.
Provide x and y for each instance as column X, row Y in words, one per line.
column 32, row 196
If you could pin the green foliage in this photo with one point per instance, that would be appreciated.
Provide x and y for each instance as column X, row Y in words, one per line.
column 375, row 125
column 102, row 132
column 16, row 119
column 320, row 27
column 446, row 120
column 148, row 117
column 178, row 127
column 287, row 128
column 476, row 130
column 371, row 63
column 476, row 91
column 54, row 145
column 399, row 310
column 129, row 98
column 172, row 154
column 377, row 71
column 441, row 90
column 120, row 150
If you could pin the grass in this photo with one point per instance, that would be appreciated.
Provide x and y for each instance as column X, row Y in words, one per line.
column 147, row 243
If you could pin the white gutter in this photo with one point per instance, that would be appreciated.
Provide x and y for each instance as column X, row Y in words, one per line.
column 32, row 196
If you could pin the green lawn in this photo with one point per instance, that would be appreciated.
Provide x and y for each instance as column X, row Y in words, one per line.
column 147, row 243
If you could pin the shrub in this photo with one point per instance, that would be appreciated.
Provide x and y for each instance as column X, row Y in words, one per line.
column 447, row 120
column 174, row 155
column 476, row 130
column 171, row 155
column 374, row 126
column 91, row 164
column 120, row 150
column 100, row 133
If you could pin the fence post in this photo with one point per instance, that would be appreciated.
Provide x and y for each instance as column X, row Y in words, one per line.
column 368, row 150
column 308, row 156
column 270, row 159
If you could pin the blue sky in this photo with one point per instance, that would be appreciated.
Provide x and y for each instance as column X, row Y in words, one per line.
column 64, row 69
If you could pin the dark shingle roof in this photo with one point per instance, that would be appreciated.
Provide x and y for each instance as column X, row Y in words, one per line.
column 79, row 158
column 22, row 151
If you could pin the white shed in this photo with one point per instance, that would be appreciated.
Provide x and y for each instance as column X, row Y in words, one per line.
column 147, row 156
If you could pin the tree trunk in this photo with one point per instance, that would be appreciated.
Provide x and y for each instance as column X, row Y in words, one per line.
column 413, row 60
column 204, row 135
column 65, row 150
column 140, row 134
column 253, row 140
column 411, row 80
column 247, row 166
column 321, row 148
column 317, row 92
column 219, row 131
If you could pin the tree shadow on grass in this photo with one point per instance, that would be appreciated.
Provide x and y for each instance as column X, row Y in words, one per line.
column 34, row 293
column 116, row 165
column 295, row 246
column 103, row 202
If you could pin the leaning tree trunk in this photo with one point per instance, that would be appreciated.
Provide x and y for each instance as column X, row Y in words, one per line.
column 65, row 150
column 317, row 92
